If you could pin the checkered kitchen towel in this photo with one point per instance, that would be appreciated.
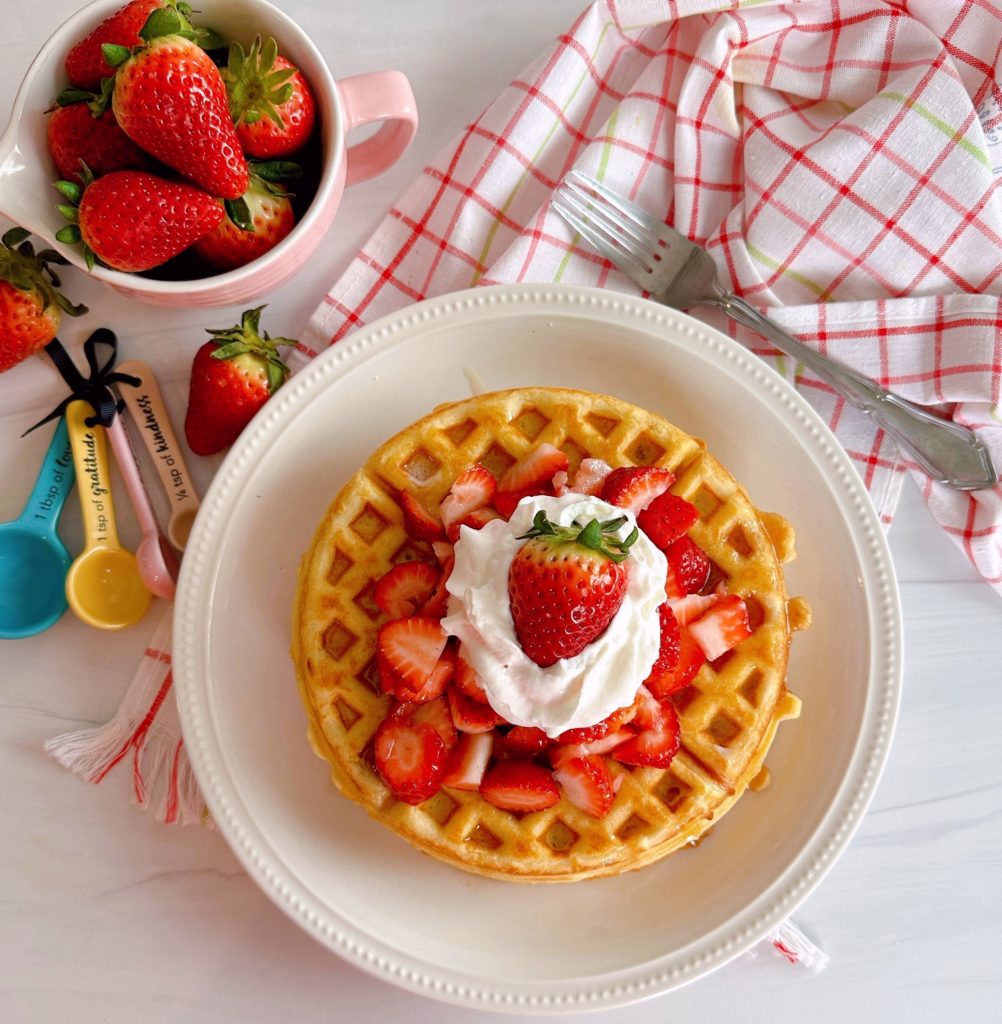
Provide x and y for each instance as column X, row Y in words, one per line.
column 837, row 158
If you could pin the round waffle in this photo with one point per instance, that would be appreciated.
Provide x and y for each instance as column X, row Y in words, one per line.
column 728, row 715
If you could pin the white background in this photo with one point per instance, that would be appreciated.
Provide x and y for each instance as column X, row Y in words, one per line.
column 107, row 916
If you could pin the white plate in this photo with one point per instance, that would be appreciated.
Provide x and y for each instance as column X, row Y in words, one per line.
column 360, row 889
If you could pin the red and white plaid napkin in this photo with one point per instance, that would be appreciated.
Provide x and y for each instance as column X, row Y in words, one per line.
column 837, row 158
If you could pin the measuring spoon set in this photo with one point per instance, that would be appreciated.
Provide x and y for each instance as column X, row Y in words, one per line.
column 106, row 585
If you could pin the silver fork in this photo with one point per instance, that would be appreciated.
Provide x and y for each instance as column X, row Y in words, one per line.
column 678, row 273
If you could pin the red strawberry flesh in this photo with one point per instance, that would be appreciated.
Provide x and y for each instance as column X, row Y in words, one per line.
column 519, row 786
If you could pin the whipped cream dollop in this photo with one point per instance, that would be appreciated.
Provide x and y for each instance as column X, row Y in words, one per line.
column 574, row 692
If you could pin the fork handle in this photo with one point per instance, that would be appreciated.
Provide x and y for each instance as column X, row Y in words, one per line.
column 948, row 452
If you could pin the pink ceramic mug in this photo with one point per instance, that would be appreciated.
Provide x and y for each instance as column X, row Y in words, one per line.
column 27, row 172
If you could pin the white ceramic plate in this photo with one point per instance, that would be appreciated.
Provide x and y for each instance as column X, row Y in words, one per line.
column 360, row 889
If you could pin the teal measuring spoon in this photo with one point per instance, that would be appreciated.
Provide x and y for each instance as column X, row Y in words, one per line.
column 33, row 560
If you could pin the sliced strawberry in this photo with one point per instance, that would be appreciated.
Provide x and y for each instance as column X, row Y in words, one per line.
column 691, row 659
column 689, row 608
column 650, row 714
column 587, row 783
column 418, row 521
column 441, row 676
column 653, row 747
column 635, row 487
column 519, row 786
column 533, row 473
column 437, row 603
column 507, row 501
column 673, row 588
column 436, row 714
column 667, row 518
column 559, row 481
column 589, row 733
column 471, row 490
column 475, row 520
column 402, row 590
column 468, row 761
column 526, row 740
column 689, row 564
column 443, row 551
column 410, row 648
column 468, row 681
column 470, row 716
column 410, row 758
column 668, row 651
column 724, row 626
column 600, row 746
column 590, row 476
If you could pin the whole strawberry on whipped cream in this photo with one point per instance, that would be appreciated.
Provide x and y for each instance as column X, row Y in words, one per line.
column 569, row 692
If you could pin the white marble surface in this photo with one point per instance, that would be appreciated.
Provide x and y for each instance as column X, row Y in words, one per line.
column 107, row 916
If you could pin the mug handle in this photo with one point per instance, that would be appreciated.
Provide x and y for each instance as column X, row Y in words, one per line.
column 377, row 96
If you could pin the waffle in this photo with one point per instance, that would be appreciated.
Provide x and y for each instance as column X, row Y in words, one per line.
column 728, row 715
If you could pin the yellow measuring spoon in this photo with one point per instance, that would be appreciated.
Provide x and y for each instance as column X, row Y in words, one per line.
column 103, row 586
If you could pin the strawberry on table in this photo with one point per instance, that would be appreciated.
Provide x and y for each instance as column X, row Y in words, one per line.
column 30, row 304
column 270, row 102
column 520, row 786
column 636, row 487
column 232, row 376
column 565, row 584
column 85, row 64
column 77, row 134
column 132, row 220
column 170, row 99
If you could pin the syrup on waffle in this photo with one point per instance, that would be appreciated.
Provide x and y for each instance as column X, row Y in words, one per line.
column 728, row 715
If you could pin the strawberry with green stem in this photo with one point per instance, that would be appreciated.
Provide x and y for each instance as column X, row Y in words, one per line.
column 270, row 102
column 170, row 100
column 85, row 64
column 83, row 130
column 31, row 306
column 256, row 222
column 132, row 220
column 565, row 585
column 232, row 376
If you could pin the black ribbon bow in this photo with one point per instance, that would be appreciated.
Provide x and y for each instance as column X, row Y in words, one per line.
column 94, row 389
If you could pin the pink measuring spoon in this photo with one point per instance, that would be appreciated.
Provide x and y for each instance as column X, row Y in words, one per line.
column 158, row 565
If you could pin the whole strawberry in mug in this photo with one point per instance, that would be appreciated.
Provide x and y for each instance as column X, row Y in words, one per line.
column 30, row 305
column 254, row 223
column 270, row 101
column 232, row 376
column 134, row 221
column 170, row 100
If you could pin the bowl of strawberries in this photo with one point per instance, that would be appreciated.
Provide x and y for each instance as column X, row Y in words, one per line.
column 197, row 158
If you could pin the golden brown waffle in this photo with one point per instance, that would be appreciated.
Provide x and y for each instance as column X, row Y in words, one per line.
column 728, row 715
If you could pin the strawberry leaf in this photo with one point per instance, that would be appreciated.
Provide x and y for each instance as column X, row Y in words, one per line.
column 239, row 212
column 276, row 170
column 115, row 54
column 164, row 21
column 13, row 238
column 68, row 235
column 70, row 189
